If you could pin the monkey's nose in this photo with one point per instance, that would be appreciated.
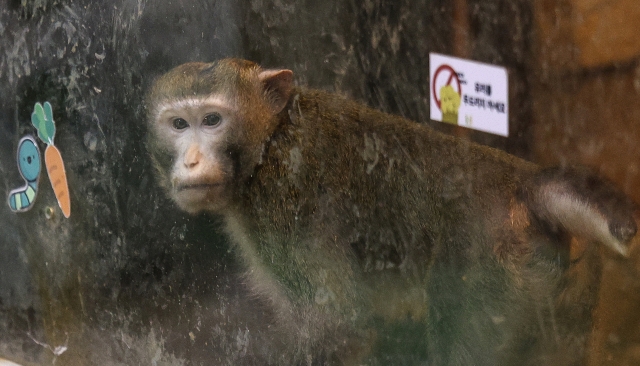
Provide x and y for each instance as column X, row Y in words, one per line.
column 192, row 157
column 191, row 164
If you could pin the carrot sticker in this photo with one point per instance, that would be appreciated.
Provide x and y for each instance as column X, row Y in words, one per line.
column 42, row 119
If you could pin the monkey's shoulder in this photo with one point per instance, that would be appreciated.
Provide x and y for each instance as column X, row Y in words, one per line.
column 338, row 108
column 332, row 126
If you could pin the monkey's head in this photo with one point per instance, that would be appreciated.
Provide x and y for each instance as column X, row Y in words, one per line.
column 208, row 123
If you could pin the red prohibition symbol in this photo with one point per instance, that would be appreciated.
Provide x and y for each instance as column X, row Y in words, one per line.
column 452, row 75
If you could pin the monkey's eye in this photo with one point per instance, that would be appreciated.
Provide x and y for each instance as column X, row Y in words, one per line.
column 180, row 124
column 212, row 120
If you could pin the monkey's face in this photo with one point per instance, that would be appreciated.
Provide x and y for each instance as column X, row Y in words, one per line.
column 190, row 150
column 208, row 126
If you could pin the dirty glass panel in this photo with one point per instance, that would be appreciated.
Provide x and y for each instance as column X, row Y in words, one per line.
column 120, row 275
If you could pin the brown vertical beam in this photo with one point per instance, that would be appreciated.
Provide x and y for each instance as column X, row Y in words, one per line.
column 460, row 28
column 460, row 38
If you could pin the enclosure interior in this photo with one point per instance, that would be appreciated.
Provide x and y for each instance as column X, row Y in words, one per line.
column 129, row 279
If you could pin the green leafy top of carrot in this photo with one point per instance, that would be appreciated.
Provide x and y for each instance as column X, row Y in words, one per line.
column 42, row 119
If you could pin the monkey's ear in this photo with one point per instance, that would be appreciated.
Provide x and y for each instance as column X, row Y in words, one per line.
column 277, row 85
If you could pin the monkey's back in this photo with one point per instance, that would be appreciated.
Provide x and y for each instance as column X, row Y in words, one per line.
column 379, row 220
column 380, row 170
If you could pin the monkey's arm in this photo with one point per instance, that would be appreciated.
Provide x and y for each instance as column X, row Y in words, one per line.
column 583, row 205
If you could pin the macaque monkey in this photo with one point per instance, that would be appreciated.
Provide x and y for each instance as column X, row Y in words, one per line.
column 375, row 239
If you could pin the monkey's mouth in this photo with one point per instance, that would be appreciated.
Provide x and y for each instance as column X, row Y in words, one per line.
column 194, row 196
column 196, row 186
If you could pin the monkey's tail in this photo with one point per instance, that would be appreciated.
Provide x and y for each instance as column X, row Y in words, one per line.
column 586, row 206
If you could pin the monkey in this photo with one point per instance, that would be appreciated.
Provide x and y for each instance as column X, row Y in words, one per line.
column 376, row 239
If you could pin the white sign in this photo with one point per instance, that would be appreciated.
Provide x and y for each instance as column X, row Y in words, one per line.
column 469, row 94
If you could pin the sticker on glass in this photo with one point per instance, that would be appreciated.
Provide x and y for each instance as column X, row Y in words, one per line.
column 21, row 199
column 469, row 94
column 42, row 119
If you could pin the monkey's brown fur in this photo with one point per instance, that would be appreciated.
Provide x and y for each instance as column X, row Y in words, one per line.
column 361, row 228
